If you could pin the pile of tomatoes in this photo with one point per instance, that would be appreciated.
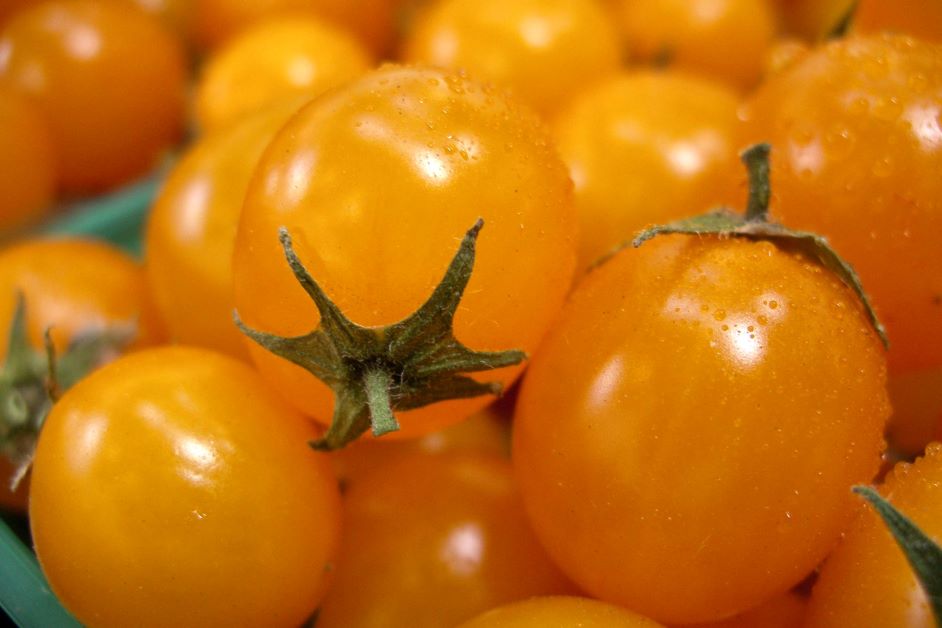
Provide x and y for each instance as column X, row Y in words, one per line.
column 379, row 216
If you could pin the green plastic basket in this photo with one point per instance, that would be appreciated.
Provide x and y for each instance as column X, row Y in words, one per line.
column 118, row 218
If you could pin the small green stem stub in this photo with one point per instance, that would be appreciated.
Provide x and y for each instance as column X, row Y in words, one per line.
column 375, row 371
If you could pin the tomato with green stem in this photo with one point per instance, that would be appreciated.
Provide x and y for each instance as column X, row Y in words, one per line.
column 193, row 498
column 686, row 438
column 868, row 581
column 436, row 540
column 858, row 134
column 358, row 205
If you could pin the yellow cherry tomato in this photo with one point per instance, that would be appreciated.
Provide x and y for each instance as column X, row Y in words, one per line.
column 867, row 581
column 545, row 52
column 723, row 39
column 191, row 230
column 647, row 148
column 377, row 182
column 782, row 611
column 278, row 59
column 172, row 488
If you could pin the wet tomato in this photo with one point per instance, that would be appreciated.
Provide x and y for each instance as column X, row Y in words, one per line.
column 172, row 488
column 687, row 436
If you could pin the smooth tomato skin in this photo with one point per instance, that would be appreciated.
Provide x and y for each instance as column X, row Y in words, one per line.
column 723, row 39
column 908, row 17
column 545, row 52
column 867, row 581
column 172, row 488
column 110, row 80
column 686, row 438
column 216, row 21
column 680, row 153
column 437, row 539
column 191, row 230
column 278, row 59
column 28, row 162
column 71, row 286
column 559, row 612
column 176, row 15
column 856, row 135
column 440, row 152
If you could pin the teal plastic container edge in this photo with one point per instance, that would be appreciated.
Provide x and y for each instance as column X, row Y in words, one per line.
column 118, row 218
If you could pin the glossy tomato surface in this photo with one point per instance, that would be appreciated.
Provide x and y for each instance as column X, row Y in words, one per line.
column 273, row 61
column 436, row 539
column 545, row 52
column 74, row 286
column 377, row 183
column 559, row 612
column 28, row 162
column 191, row 230
column 687, row 436
column 867, row 581
column 782, row 611
column 110, row 81
column 723, row 39
column 857, row 138
column 172, row 488
column 646, row 148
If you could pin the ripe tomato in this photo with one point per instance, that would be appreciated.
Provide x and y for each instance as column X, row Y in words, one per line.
column 74, row 286
column 370, row 20
column 440, row 539
column 857, row 129
column 545, row 52
column 440, row 151
column 918, row 18
column 278, row 59
column 28, row 162
column 540, row 612
column 723, row 39
column 175, row 14
column 867, row 580
column 192, row 228
column 172, row 488
column 687, row 436
column 110, row 81
column 482, row 433
column 674, row 134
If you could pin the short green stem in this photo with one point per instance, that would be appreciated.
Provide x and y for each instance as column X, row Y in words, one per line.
column 756, row 159
column 377, row 383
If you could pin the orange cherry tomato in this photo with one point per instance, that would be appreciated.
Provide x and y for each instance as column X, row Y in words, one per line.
column 541, row 612
column 919, row 18
column 545, row 52
column 438, row 539
column 867, row 581
column 74, row 286
column 686, row 438
column 723, row 39
column 28, row 163
column 176, row 15
column 483, row 433
column 110, row 81
column 370, row 20
column 172, row 488
column 191, row 230
column 377, row 182
column 858, row 138
column 278, row 59
column 648, row 148
column 783, row 611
